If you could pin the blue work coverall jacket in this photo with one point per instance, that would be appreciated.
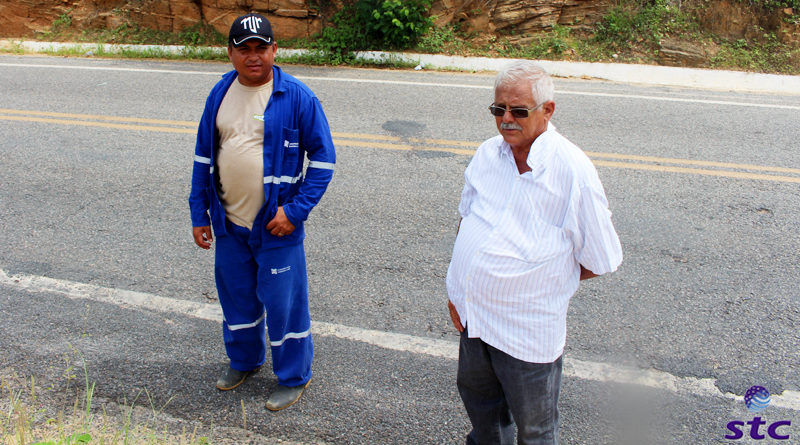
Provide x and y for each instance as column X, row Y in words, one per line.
column 294, row 125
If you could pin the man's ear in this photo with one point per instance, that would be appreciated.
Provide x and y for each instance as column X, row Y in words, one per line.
column 549, row 108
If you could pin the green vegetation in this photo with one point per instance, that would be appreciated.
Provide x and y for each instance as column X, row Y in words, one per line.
column 30, row 414
column 134, row 52
column 393, row 24
column 630, row 25
column 322, row 58
column 202, row 34
column 770, row 6
column 631, row 31
column 371, row 25
column 556, row 44
column 13, row 48
column 62, row 23
column 767, row 55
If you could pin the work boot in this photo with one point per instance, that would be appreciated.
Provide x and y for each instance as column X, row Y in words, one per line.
column 285, row 396
column 231, row 378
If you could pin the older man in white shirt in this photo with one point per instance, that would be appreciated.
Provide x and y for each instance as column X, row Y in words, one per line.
column 535, row 221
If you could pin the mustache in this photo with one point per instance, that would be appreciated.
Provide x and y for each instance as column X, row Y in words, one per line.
column 512, row 126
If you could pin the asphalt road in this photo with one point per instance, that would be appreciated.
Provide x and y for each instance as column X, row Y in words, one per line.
column 704, row 187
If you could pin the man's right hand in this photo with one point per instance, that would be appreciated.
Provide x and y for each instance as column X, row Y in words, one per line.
column 202, row 236
column 454, row 316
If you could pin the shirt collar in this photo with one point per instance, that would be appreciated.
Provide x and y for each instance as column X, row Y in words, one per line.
column 539, row 153
column 541, row 150
column 277, row 78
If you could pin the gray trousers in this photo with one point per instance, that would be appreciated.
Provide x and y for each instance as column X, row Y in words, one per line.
column 500, row 391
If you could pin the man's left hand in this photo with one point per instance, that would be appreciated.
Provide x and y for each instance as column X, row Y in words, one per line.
column 280, row 224
column 454, row 317
column 586, row 274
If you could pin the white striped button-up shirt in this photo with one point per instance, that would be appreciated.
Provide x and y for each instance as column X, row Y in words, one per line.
column 516, row 260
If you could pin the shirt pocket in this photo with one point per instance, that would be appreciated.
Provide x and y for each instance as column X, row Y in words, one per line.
column 291, row 151
column 522, row 234
column 291, row 163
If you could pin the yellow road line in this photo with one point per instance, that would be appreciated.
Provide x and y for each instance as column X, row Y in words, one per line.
column 599, row 163
column 97, row 117
column 693, row 162
column 696, row 171
column 422, row 144
column 653, row 159
column 416, row 140
column 100, row 124
column 194, row 125
column 405, row 147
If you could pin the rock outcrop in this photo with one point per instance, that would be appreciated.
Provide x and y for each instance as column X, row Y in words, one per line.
column 23, row 18
column 516, row 20
column 681, row 53
column 732, row 19
column 290, row 18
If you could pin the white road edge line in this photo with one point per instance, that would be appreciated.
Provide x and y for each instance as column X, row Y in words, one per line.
column 587, row 370
column 419, row 84
column 615, row 72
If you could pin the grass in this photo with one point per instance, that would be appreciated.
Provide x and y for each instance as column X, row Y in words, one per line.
column 30, row 414
column 767, row 55
column 318, row 58
column 127, row 52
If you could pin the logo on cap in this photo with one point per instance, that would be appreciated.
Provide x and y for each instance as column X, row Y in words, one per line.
column 251, row 23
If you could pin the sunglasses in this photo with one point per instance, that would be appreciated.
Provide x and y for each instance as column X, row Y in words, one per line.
column 518, row 113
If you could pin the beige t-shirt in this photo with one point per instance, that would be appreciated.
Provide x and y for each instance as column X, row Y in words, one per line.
column 240, row 121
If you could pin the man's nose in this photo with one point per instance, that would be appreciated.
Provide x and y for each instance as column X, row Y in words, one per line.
column 507, row 116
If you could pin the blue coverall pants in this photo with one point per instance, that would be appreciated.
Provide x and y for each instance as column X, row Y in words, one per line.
column 250, row 281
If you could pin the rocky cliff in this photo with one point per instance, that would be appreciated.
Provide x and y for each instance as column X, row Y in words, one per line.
column 23, row 18
column 517, row 19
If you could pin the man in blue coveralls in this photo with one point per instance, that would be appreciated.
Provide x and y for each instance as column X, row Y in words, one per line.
column 258, row 125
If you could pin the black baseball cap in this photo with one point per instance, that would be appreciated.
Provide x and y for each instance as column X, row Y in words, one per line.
column 250, row 26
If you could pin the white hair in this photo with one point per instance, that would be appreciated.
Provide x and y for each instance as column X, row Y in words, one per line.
column 540, row 81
